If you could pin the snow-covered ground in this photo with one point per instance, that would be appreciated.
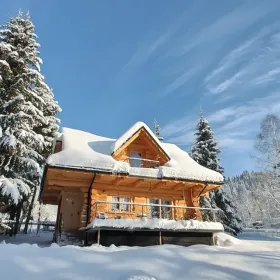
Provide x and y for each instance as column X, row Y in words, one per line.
column 42, row 239
column 232, row 259
column 265, row 234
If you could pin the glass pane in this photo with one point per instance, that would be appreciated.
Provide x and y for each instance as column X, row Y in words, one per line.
column 115, row 206
column 124, row 207
column 166, row 211
column 154, row 209
column 135, row 160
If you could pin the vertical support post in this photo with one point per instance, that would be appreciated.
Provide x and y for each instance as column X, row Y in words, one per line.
column 213, row 239
column 160, row 238
column 160, row 209
column 98, row 237
column 86, row 239
column 142, row 212
column 173, row 211
column 214, row 216
column 95, row 209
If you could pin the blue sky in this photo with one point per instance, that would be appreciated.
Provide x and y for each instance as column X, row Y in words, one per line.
column 112, row 63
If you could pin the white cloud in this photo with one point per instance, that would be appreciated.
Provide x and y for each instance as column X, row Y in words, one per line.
column 179, row 127
column 150, row 47
column 267, row 77
column 253, row 63
column 231, row 59
column 224, row 85
column 181, row 80
column 210, row 40
column 235, row 127
column 142, row 55
column 232, row 22
column 235, row 143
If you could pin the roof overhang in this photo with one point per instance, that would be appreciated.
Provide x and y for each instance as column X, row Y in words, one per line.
column 53, row 195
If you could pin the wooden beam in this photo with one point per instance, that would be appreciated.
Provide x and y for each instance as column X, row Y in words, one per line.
column 117, row 181
column 138, row 192
column 202, row 190
column 68, row 183
column 99, row 177
column 58, row 188
column 137, row 183
column 179, row 186
column 159, row 184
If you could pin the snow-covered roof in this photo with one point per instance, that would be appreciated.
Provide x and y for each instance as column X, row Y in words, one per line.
column 83, row 150
column 131, row 131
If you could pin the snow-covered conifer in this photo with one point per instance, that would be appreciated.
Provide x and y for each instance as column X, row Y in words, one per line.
column 27, row 110
column 157, row 130
column 205, row 151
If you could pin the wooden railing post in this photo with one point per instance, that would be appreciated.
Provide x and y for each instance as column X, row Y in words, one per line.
column 96, row 209
column 214, row 216
column 98, row 237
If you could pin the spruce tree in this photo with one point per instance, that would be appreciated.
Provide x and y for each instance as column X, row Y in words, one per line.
column 205, row 151
column 27, row 111
column 157, row 130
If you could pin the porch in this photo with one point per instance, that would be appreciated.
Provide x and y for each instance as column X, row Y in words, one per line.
column 146, row 224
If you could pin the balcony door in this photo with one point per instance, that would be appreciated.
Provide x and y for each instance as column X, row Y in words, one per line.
column 135, row 159
column 160, row 212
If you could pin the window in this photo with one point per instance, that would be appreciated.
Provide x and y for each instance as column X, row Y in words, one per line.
column 119, row 206
column 166, row 211
column 135, row 159
column 160, row 212
column 155, row 212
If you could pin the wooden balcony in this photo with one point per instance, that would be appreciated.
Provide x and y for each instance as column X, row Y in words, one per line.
column 142, row 162
column 129, row 210
column 146, row 224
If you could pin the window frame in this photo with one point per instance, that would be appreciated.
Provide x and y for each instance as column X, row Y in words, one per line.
column 160, row 209
column 120, row 205
column 135, row 157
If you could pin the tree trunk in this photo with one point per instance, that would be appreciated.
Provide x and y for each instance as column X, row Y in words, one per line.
column 17, row 223
column 28, row 216
column 12, row 217
column 39, row 219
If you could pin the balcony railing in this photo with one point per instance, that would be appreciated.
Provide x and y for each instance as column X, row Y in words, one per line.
column 127, row 210
column 144, row 163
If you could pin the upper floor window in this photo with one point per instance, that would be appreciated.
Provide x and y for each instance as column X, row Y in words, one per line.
column 135, row 159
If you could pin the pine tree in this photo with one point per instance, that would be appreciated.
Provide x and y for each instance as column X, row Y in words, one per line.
column 27, row 111
column 157, row 130
column 205, row 151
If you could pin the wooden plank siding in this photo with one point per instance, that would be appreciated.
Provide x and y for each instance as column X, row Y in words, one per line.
column 61, row 182
column 142, row 143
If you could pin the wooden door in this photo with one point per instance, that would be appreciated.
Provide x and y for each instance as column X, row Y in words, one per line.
column 71, row 210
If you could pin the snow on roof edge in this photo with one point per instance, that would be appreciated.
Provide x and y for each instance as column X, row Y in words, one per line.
column 113, row 172
column 86, row 151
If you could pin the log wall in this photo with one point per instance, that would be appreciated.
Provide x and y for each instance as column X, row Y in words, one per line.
column 106, row 193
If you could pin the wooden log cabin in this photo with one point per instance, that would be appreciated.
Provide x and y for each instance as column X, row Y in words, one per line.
column 135, row 190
